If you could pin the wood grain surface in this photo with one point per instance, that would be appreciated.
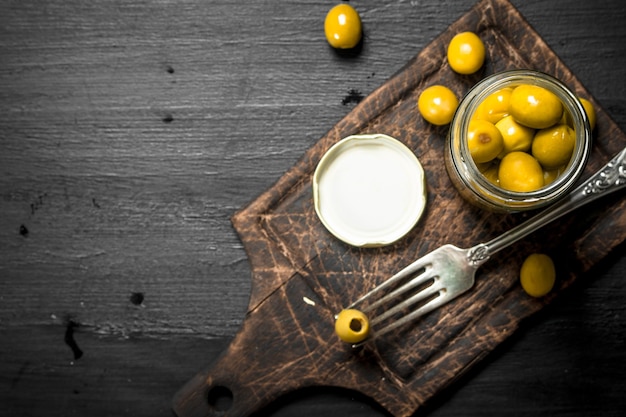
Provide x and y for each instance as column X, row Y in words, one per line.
column 302, row 275
column 133, row 131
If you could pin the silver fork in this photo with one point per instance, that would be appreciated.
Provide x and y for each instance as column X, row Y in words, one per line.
column 448, row 271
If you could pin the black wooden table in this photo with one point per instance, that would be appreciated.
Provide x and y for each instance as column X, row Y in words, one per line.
column 131, row 131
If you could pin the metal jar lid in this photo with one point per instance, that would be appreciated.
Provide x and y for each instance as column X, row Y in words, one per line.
column 369, row 190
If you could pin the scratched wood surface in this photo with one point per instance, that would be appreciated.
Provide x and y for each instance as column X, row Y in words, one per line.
column 131, row 132
column 302, row 275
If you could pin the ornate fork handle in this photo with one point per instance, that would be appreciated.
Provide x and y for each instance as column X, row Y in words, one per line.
column 612, row 175
column 610, row 178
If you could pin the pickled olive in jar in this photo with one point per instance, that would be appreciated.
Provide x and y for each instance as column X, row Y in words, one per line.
column 490, row 171
column 535, row 107
column 549, row 175
column 352, row 326
column 484, row 141
column 554, row 146
column 516, row 180
column 495, row 106
column 537, row 274
column 591, row 112
column 520, row 172
column 516, row 137
column 514, row 110
column 437, row 104
column 466, row 53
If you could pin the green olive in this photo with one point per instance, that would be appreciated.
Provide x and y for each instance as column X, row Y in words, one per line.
column 484, row 141
column 554, row 146
column 535, row 106
column 352, row 326
column 520, row 172
column 515, row 136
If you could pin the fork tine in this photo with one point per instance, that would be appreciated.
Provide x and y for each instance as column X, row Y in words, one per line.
column 412, row 269
column 421, row 295
column 421, row 278
column 422, row 310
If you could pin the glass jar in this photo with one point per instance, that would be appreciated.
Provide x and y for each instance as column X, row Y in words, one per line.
column 478, row 189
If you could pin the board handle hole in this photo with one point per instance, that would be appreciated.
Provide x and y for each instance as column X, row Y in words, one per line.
column 220, row 398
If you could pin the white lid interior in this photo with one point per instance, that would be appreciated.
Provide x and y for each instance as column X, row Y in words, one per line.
column 369, row 190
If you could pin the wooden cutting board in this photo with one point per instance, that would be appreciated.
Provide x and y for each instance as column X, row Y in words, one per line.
column 302, row 275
